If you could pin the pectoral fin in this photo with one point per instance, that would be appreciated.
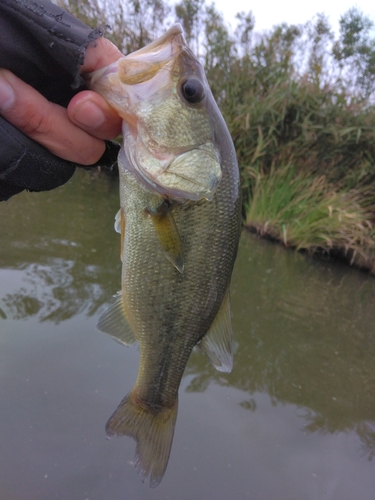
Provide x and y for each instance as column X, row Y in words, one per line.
column 113, row 321
column 118, row 221
column 169, row 238
column 217, row 343
column 120, row 227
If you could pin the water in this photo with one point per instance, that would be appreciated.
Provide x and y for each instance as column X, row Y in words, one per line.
column 294, row 420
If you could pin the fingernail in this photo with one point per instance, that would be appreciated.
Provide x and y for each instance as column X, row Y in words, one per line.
column 6, row 95
column 89, row 115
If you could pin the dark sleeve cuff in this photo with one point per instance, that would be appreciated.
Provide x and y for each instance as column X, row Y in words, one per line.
column 44, row 46
column 28, row 165
column 31, row 166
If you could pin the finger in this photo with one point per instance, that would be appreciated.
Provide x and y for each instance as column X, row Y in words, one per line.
column 92, row 113
column 99, row 54
column 45, row 122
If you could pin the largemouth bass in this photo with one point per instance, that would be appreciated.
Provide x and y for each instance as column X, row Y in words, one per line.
column 180, row 220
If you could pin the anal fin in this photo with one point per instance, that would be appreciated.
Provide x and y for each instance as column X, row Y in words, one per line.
column 113, row 321
column 217, row 343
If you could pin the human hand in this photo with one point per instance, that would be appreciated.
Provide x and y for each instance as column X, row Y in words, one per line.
column 75, row 134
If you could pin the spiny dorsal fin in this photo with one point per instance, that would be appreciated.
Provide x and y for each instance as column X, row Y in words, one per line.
column 169, row 238
column 217, row 343
column 113, row 321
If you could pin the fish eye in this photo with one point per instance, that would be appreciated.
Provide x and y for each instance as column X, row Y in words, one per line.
column 192, row 90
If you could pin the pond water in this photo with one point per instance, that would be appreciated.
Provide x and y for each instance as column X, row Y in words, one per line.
column 294, row 420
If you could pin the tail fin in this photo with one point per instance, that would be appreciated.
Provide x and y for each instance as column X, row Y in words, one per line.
column 153, row 432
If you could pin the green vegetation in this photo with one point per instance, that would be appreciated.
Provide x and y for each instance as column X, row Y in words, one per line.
column 299, row 103
column 303, row 210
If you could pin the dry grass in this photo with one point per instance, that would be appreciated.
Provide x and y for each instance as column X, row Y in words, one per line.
column 303, row 211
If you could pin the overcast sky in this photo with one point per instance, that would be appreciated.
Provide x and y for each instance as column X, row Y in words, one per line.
column 271, row 12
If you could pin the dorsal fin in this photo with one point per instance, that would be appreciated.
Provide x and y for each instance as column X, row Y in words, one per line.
column 217, row 343
column 169, row 238
column 113, row 321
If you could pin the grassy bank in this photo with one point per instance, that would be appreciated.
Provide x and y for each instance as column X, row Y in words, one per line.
column 308, row 164
column 307, row 157
column 305, row 212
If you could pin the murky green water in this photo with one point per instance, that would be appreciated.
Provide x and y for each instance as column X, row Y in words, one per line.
column 294, row 420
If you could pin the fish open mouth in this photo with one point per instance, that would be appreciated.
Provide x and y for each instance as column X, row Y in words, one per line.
column 137, row 68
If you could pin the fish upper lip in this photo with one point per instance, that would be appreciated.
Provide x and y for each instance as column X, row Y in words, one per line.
column 141, row 65
column 167, row 37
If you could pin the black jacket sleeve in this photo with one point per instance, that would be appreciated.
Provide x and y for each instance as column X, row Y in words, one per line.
column 44, row 46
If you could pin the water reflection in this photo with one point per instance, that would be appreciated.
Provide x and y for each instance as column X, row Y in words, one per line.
column 305, row 334
column 304, row 328
column 63, row 243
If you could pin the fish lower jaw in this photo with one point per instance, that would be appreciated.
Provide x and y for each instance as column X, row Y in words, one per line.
column 159, row 182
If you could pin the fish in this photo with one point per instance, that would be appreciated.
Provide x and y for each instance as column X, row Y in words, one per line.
column 180, row 223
